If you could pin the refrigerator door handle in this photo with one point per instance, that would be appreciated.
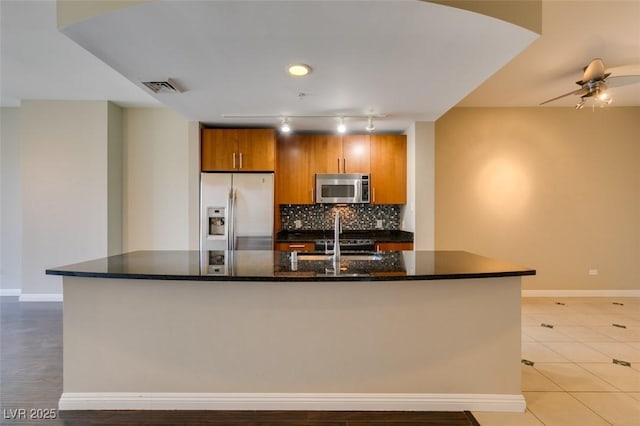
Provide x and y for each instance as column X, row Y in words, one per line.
column 233, row 221
column 229, row 218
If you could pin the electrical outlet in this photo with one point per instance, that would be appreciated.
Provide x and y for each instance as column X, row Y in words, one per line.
column 593, row 272
column 379, row 223
column 297, row 223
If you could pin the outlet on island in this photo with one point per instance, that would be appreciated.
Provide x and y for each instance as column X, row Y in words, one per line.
column 297, row 223
column 378, row 223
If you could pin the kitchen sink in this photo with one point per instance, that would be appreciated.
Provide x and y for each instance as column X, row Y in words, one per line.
column 343, row 256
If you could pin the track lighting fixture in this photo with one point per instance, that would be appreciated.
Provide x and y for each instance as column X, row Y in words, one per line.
column 284, row 125
column 342, row 128
column 285, row 120
column 370, row 126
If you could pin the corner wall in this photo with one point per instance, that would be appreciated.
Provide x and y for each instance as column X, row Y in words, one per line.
column 10, row 204
column 159, row 187
column 554, row 189
column 418, row 213
column 64, row 194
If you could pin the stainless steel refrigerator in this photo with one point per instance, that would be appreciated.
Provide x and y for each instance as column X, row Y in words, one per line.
column 236, row 211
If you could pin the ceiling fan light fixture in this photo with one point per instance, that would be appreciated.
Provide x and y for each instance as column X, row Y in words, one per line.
column 299, row 70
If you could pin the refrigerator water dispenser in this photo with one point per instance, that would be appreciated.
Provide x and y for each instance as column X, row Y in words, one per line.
column 216, row 220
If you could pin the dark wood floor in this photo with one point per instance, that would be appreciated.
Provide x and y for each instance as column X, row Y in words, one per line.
column 31, row 380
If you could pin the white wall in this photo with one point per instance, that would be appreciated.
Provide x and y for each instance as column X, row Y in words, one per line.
column 158, row 181
column 64, row 189
column 418, row 214
column 10, row 204
column 114, row 178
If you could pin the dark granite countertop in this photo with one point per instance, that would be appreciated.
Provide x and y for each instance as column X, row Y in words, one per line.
column 279, row 266
column 378, row 236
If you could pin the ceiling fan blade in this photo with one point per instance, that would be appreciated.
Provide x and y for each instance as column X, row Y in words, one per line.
column 622, row 80
column 581, row 90
column 593, row 71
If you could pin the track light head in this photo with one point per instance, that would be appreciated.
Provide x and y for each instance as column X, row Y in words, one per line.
column 284, row 125
column 370, row 126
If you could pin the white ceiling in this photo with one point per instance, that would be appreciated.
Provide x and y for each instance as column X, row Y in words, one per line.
column 408, row 59
column 573, row 33
column 39, row 62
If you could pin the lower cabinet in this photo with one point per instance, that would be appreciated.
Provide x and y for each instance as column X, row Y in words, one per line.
column 393, row 246
column 310, row 246
column 302, row 246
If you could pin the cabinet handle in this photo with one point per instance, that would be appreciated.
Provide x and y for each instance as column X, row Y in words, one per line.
column 240, row 160
column 234, row 160
column 296, row 246
column 344, row 165
column 338, row 164
column 374, row 194
column 313, row 198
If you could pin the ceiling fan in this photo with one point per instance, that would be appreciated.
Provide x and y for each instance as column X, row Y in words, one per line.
column 595, row 82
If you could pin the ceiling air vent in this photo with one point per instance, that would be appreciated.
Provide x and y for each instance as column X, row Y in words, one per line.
column 168, row 86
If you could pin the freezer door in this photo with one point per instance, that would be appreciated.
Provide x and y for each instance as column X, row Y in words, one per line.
column 215, row 189
column 253, row 207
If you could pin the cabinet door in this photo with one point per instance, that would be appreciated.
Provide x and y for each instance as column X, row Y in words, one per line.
column 256, row 150
column 302, row 246
column 355, row 154
column 325, row 154
column 217, row 150
column 389, row 169
column 294, row 181
column 394, row 246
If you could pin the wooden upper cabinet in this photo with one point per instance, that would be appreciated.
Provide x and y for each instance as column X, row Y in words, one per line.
column 355, row 154
column 217, row 149
column 294, row 178
column 257, row 150
column 238, row 150
column 325, row 152
column 339, row 154
column 301, row 156
column 389, row 169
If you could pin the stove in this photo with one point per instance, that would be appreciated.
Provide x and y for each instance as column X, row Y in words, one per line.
column 346, row 244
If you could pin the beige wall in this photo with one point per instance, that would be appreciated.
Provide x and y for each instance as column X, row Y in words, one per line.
column 551, row 188
column 64, row 193
column 158, row 181
column 10, row 204
column 417, row 214
column 68, row 196
column 362, row 338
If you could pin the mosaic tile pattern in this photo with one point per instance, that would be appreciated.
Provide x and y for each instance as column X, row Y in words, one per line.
column 355, row 217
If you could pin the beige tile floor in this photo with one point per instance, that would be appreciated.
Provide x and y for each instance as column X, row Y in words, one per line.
column 574, row 381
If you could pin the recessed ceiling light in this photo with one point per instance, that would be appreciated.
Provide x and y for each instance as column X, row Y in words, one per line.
column 299, row 70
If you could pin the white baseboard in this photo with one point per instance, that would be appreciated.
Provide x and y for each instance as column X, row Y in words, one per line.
column 42, row 297
column 581, row 293
column 9, row 292
column 291, row 401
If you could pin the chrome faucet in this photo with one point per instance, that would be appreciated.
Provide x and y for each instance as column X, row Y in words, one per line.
column 336, row 240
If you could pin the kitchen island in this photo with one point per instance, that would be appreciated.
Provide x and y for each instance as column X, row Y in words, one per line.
column 425, row 330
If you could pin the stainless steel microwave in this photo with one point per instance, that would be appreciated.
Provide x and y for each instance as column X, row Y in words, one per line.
column 342, row 188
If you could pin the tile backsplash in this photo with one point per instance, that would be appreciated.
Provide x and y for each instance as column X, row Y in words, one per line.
column 354, row 217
